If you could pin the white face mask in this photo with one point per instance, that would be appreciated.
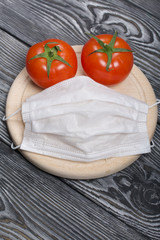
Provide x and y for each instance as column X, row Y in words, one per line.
column 81, row 120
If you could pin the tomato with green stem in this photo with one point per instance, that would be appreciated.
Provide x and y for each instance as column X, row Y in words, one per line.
column 50, row 62
column 107, row 59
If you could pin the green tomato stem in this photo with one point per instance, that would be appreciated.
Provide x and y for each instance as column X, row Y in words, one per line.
column 108, row 49
column 50, row 54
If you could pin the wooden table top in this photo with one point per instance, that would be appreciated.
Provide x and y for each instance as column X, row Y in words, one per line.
column 37, row 205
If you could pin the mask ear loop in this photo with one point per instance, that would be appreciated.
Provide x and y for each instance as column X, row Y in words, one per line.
column 5, row 119
column 14, row 147
column 157, row 102
column 152, row 144
column 11, row 115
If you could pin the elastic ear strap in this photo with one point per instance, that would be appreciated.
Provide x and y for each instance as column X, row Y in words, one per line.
column 14, row 147
column 152, row 144
column 11, row 115
column 157, row 102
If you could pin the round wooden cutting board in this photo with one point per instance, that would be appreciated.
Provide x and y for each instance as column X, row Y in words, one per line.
column 136, row 85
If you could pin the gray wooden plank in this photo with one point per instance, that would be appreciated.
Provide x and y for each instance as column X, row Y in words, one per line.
column 148, row 6
column 12, row 61
column 37, row 205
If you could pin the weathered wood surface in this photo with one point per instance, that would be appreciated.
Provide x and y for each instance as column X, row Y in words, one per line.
column 41, row 206
column 36, row 205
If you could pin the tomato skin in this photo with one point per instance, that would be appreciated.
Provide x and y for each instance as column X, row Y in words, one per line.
column 95, row 64
column 37, row 68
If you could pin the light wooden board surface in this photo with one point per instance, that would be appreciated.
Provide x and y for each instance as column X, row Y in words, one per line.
column 136, row 85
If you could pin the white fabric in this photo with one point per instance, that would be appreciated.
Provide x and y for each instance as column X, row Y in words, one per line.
column 81, row 120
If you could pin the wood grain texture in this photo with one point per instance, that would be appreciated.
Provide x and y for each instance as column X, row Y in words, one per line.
column 36, row 205
column 125, row 205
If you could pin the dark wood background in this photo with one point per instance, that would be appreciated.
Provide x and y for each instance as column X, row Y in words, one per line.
column 37, row 205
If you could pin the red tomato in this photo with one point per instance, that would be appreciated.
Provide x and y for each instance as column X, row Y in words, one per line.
column 95, row 64
column 50, row 62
